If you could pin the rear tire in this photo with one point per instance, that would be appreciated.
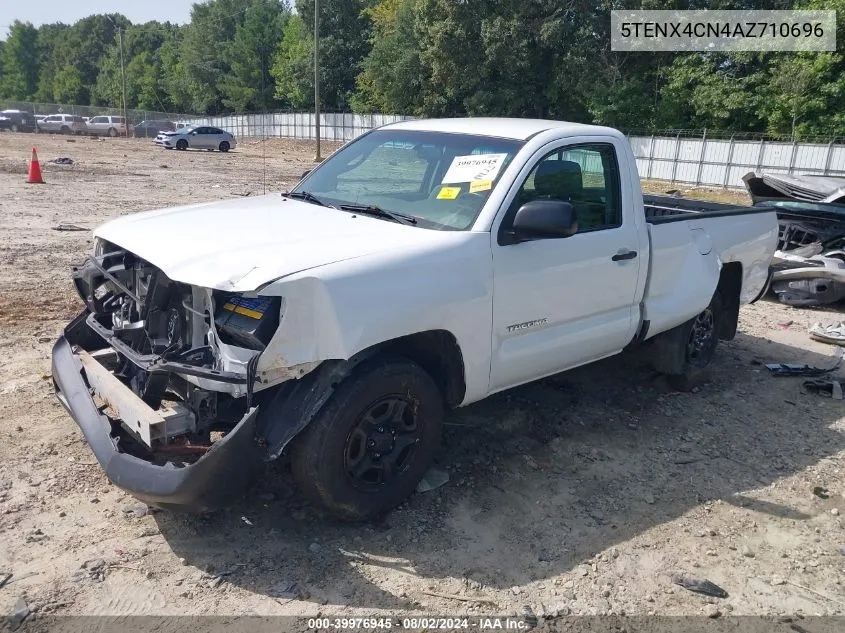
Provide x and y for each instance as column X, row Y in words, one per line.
column 224, row 146
column 371, row 443
column 181, row 144
column 684, row 353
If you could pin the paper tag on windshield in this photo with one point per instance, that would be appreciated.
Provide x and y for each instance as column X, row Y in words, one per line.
column 474, row 167
column 480, row 185
column 449, row 193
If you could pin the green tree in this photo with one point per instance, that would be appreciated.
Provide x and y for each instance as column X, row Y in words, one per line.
column 68, row 86
column 392, row 76
column 19, row 62
column 344, row 42
column 293, row 66
column 203, row 64
column 249, row 85
column 143, row 45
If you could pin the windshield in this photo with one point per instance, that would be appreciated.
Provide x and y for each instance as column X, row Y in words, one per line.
column 440, row 179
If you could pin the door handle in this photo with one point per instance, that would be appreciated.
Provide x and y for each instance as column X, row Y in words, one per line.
column 623, row 255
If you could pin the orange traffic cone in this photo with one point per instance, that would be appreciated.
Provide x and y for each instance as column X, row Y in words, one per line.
column 34, row 170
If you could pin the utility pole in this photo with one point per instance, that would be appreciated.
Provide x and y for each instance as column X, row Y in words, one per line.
column 317, row 158
column 122, row 73
column 123, row 82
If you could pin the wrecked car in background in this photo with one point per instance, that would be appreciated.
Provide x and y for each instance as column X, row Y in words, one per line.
column 808, row 268
column 426, row 264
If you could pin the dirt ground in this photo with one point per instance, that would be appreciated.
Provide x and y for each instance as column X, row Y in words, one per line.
column 579, row 494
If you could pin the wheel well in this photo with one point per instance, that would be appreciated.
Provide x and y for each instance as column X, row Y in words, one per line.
column 438, row 353
column 730, row 287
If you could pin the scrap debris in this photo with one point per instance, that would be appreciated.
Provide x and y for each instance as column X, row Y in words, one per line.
column 69, row 227
column 808, row 268
column 432, row 480
column 698, row 585
column 63, row 160
column 799, row 369
column 832, row 388
column 834, row 334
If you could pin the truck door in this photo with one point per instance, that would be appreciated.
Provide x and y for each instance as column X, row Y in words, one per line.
column 563, row 302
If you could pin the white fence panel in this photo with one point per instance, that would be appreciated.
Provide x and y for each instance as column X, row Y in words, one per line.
column 723, row 162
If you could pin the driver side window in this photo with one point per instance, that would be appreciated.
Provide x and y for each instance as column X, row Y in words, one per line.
column 586, row 176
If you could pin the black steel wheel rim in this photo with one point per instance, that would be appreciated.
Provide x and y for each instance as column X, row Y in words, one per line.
column 702, row 337
column 382, row 442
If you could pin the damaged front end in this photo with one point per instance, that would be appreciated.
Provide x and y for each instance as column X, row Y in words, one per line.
column 159, row 375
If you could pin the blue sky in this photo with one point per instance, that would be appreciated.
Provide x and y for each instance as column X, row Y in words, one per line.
column 69, row 11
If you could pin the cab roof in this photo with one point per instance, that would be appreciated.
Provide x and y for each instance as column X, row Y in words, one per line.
column 517, row 129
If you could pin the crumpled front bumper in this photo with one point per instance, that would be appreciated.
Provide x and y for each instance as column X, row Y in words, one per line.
column 207, row 484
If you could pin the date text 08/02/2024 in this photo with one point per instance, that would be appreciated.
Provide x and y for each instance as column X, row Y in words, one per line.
column 442, row 624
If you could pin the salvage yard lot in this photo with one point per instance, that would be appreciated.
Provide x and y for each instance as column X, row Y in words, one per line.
column 583, row 493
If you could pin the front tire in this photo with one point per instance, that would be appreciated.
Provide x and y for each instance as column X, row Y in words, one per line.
column 112, row 132
column 15, row 127
column 65, row 130
column 372, row 442
column 182, row 144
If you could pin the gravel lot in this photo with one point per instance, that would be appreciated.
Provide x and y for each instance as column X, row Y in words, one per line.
column 579, row 494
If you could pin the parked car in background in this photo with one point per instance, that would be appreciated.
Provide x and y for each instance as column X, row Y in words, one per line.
column 148, row 129
column 197, row 137
column 107, row 126
column 63, row 124
column 17, row 121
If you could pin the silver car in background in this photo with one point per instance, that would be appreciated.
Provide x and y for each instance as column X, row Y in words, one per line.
column 107, row 126
column 63, row 124
column 197, row 137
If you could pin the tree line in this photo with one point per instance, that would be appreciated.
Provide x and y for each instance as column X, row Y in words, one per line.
column 537, row 58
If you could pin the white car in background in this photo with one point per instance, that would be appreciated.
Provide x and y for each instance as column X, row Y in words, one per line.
column 63, row 124
column 197, row 137
column 107, row 126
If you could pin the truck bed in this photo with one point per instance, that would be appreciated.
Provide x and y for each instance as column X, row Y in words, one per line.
column 665, row 209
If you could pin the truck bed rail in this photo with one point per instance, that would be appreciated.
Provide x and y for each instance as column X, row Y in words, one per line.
column 665, row 209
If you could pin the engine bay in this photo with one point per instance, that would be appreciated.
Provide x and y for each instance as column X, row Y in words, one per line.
column 189, row 353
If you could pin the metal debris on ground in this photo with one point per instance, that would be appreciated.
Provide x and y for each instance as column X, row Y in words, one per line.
column 832, row 388
column 63, row 160
column 698, row 585
column 802, row 369
column 834, row 334
column 69, row 227
column 19, row 613
column 247, row 521
column 433, row 479
column 284, row 589
column 821, row 492
column 4, row 578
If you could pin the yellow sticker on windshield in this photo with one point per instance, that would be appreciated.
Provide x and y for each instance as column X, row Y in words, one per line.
column 448, row 193
column 480, row 185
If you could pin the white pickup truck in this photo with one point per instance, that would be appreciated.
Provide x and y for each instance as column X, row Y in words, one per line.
column 426, row 264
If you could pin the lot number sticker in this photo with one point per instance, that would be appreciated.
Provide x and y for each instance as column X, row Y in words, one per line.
column 474, row 167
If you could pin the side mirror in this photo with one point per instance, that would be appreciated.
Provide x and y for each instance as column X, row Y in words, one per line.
column 544, row 219
column 304, row 174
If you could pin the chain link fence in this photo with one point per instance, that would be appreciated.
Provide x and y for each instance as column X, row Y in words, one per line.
column 134, row 116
